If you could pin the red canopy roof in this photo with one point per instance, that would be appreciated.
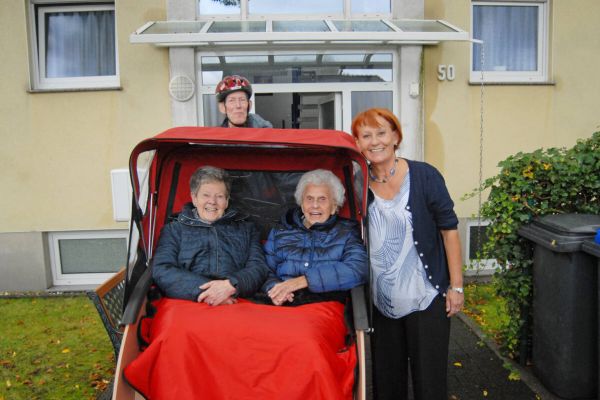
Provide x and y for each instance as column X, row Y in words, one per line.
column 251, row 136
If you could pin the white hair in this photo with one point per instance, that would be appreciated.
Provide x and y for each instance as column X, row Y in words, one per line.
column 321, row 177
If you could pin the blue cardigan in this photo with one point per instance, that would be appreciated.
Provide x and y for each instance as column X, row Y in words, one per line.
column 432, row 211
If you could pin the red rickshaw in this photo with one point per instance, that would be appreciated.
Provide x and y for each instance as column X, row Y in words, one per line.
column 265, row 165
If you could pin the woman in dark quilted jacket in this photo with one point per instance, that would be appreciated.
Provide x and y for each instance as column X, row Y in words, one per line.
column 315, row 255
column 209, row 254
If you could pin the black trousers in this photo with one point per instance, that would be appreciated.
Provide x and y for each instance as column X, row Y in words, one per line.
column 419, row 341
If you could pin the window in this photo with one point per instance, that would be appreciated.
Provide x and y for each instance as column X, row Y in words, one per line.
column 300, row 68
column 515, row 36
column 296, row 7
column 476, row 237
column 86, row 257
column 74, row 45
column 303, row 7
column 367, row 99
column 371, row 6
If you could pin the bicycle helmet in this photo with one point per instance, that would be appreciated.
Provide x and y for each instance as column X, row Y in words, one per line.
column 230, row 84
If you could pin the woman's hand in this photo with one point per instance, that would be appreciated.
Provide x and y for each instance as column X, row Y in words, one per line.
column 454, row 302
column 219, row 292
column 284, row 291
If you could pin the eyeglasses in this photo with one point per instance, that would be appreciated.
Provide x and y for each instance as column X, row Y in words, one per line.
column 233, row 101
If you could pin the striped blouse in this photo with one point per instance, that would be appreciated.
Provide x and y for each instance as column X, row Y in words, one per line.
column 400, row 285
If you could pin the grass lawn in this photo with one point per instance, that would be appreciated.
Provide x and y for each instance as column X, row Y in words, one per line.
column 53, row 348
column 485, row 308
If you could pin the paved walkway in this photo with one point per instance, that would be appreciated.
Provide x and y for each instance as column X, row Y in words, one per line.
column 475, row 369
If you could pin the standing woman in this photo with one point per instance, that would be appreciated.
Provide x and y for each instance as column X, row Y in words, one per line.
column 416, row 263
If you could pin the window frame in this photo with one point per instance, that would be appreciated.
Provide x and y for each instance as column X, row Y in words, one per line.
column 345, row 89
column 487, row 266
column 37, row 11
column 541, row 75
column 84, row 278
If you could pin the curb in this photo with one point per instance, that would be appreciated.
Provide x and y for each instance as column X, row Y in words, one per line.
column 526, row 375
column 40, row 294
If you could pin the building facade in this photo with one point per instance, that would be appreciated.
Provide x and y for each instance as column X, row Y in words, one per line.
column 86, row 80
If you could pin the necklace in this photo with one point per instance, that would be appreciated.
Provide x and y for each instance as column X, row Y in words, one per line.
column 384, row 180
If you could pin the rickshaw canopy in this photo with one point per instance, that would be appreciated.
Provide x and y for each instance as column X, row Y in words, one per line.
column 265, row 165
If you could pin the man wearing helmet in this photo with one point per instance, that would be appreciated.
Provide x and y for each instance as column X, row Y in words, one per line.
column 233, row 94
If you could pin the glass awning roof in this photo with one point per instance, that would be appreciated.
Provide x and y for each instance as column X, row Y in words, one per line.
column 282, row 32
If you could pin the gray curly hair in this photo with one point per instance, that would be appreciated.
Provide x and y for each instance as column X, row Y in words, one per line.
column 208, row 174
column 321, row 177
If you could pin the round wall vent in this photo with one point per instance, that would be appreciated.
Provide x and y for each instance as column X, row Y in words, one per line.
column 181, row 88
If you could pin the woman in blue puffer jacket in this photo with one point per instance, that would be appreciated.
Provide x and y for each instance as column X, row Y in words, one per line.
column 315, row 255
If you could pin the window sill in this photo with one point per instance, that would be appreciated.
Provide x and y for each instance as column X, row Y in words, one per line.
column 497, row 83
column 102, row 89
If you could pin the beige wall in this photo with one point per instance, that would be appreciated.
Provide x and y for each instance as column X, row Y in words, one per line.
column 517, row 117
column 57, row 148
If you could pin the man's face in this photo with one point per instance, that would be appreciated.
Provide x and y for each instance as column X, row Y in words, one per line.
column 235, row 107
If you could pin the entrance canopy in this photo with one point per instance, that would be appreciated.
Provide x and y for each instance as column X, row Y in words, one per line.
column 291, row 32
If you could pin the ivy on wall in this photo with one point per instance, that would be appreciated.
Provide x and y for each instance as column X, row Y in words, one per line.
column 530, row 185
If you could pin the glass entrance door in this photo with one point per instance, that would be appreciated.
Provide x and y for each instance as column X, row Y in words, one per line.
column 300, row 110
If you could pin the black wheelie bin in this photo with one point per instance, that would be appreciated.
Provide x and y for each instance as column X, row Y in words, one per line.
column 565, row 304
column 593, row 247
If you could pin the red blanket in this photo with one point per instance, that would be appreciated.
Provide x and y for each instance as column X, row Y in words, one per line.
column 245, row 351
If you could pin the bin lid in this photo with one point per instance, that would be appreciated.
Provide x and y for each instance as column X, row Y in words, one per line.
column 562, row 232
column 591, row 247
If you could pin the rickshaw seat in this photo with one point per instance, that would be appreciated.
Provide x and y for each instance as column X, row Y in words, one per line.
column 108, row 299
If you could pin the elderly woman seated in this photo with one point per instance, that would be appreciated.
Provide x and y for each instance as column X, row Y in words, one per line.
column 315, row 255
column 244, row 350
column 209, row 254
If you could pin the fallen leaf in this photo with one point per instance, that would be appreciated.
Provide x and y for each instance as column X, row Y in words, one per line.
column 457, row 364
column 66, row 351
column 95, row 376
column 514, row 376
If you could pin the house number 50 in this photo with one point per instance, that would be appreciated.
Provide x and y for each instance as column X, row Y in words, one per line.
column 446, row 72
